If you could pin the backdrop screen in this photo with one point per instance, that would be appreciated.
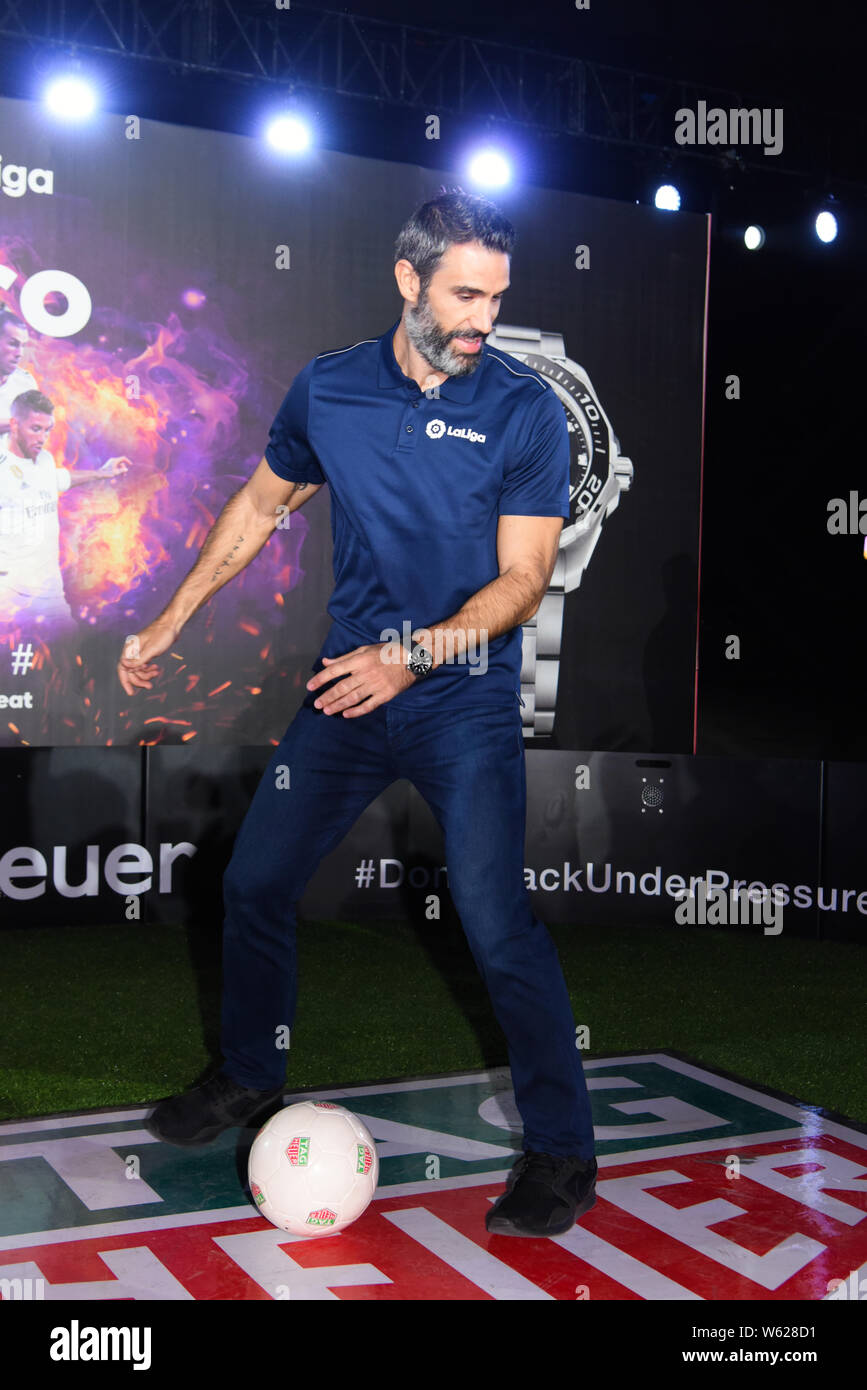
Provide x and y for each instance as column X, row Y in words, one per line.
column 162, row 288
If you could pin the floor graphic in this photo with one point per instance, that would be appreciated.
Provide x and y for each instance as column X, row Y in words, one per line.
column 708, row 1189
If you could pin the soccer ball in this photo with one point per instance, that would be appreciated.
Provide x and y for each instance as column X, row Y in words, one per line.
column 313, row 1168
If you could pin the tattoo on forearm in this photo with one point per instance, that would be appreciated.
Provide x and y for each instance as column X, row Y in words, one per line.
column 228, row 560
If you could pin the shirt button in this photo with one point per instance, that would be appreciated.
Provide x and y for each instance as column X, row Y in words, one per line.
column 409, row 429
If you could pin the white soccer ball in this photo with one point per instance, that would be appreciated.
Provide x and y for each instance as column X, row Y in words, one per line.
column 313, row 1168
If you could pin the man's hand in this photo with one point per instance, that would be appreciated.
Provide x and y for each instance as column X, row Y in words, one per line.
column 371, row 678
column 136, row 669
column 112, row 468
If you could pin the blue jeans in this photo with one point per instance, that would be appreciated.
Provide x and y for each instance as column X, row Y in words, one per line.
column 468, row 764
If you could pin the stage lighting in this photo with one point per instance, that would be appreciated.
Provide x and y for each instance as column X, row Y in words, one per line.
column 667, row 197
column 70, row 97
column 754, row 238
column 826, row 226
column 490, row 169
column 289, row 134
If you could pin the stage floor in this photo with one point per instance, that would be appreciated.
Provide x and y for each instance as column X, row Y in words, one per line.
column 709, row 1188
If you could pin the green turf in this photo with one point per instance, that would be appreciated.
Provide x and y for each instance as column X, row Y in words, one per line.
column 123, row 1015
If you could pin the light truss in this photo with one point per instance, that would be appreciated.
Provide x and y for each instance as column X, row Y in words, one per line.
column 308, row 49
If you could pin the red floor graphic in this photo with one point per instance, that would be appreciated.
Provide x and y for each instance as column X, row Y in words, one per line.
column 709, row 1189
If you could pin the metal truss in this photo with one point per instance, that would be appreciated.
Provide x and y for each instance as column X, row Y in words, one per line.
column 313, row 50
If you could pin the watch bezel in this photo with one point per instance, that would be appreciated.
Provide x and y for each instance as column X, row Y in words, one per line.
column 588, row 490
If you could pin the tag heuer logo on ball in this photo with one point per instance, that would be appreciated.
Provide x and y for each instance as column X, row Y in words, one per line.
column 299, row 1150
column 365, row 1159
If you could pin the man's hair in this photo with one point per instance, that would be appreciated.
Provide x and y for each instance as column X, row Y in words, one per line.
column 453, row 217
column 9, row 320
column 31, row 402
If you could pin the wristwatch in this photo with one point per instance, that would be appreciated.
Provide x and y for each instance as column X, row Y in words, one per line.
column 420, row 662
column 598, row 474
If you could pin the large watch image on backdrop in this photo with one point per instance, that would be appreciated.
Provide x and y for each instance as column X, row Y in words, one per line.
column 599, row 473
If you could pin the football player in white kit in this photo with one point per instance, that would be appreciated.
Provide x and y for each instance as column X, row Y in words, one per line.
column 14, row 379
column 31, row 584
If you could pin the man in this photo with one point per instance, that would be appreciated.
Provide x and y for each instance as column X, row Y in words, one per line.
column 14, row 379
column 31, row 584
column 449, row 476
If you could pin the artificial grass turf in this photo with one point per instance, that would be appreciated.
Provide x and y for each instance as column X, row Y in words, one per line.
column 106, row 1016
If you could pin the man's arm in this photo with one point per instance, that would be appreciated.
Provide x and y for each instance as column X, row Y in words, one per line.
column 526, row 554
column 112, row 468
column 238, row 534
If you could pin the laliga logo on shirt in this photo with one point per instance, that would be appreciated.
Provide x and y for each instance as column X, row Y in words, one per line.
column 15, row 180
column 435, row 429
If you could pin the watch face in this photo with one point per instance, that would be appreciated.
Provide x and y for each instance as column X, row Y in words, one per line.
column 420, row 661
column 589, row 440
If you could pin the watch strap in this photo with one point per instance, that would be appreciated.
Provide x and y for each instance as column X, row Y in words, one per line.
column 513, row 339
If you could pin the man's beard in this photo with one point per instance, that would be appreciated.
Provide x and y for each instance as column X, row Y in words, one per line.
column 435, row 346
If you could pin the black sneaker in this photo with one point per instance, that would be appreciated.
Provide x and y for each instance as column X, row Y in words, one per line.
column 200, row 1114
column 545, row 1194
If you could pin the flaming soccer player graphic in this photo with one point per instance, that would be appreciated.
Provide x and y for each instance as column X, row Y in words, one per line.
column 14, row 379
column 176, row 395
column 31, row 584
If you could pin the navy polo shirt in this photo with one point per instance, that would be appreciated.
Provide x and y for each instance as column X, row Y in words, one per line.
column 417, row 484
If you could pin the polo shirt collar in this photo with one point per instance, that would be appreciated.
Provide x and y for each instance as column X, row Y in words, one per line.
column 454, row 388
